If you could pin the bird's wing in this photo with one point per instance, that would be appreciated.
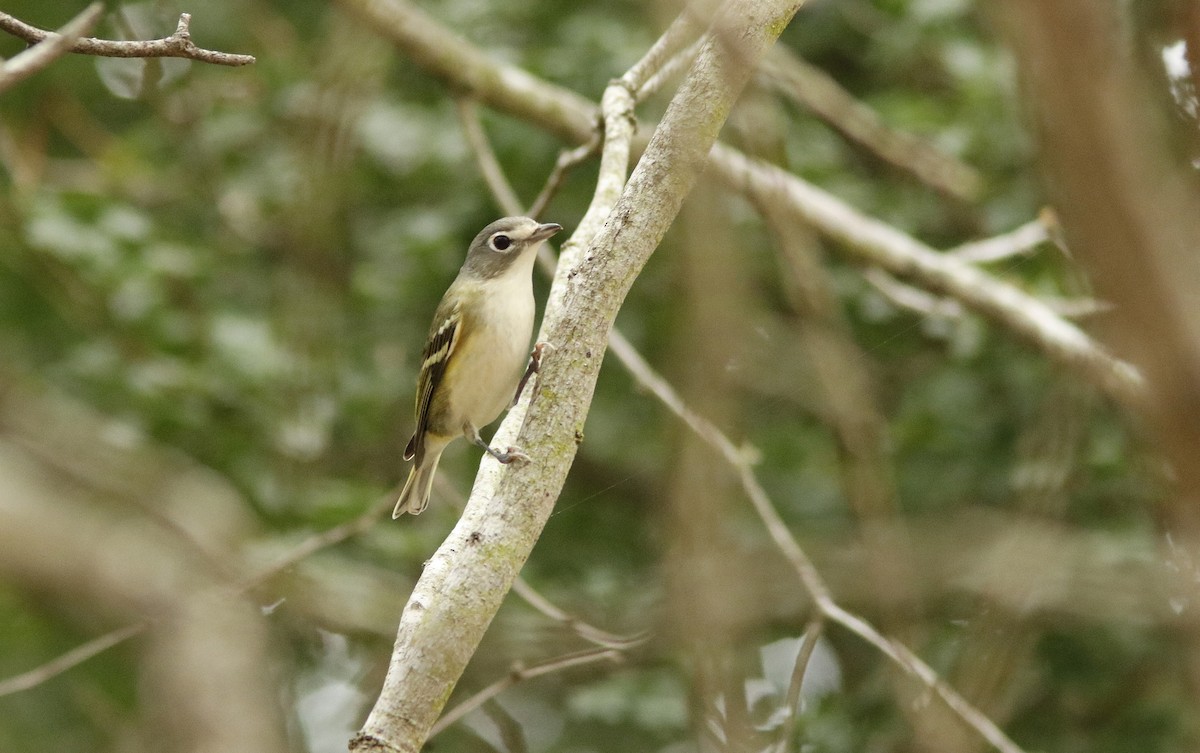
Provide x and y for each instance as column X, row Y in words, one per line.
column 443, row 338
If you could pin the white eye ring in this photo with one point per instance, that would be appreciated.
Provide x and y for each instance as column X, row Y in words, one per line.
column 500, row 242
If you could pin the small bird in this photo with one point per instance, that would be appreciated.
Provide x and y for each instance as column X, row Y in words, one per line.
column 471, row 364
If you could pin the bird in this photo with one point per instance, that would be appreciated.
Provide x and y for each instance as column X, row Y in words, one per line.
column 471, row 366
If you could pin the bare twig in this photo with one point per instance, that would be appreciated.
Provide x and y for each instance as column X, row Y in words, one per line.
column 520, row 674
column 601, row 638
column 323, row 540
column 567, row 159
column 669, row 70
column 792, row 703
column 910, row 297
column 811, row 579
column 178, row 45
column 874, row 242
column 49, row 49
column 818, row 91
column 489, row 165
column 1023, row 240
column 71, row 659
column 685, row 25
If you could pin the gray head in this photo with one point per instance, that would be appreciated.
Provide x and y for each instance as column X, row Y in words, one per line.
column 499, row 245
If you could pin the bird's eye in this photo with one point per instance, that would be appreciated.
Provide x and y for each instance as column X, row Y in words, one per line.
column 501, row 241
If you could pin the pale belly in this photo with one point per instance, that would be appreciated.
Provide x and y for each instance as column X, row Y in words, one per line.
column 490, row 364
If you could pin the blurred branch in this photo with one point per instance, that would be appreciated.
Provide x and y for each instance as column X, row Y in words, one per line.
column 742, row 460
column 178, row 45
column 875, row 242
column 1023, row 240
column 601, row 638
column 450, row 57
column 813, row 88
column 669, row 70
column 520, row 674
column 485, row 156
column 49, row 49
column 1130, row 211
column 792, row 703
column 663, row 52
column 313, row 544
column 912, row 298
column 59, row 534
column 444, row 621
column 922, row 302
column 323, row 540
column 73, row 658
column 565, row 113
column 567, row 160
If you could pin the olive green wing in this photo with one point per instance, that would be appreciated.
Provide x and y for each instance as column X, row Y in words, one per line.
column 443, row 338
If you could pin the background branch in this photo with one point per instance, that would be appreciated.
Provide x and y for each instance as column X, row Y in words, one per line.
column 178, row 45
column 49, row 48
column 813, row 88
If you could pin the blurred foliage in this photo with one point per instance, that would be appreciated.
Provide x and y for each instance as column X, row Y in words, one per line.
column 241, row 264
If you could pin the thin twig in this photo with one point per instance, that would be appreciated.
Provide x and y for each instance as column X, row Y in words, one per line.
column 590, row 633
column 821, row 93
column 323, row 540
column 685, row 25
column 178, row 45
column 911, row 297
column 49, row 49
column 811, row 634
column 567, row 159
column 72, row 658
column 520, row 674
column 670, row 69
column 809, row 576
column 1023, row 240
column 489, row 165
column 872, row 241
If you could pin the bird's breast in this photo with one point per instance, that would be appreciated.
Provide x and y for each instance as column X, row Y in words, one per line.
column 494, row 350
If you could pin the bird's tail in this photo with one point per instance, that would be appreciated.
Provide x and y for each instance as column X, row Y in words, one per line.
column 417, row 489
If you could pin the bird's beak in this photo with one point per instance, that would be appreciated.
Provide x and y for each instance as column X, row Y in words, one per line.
column 545, row 231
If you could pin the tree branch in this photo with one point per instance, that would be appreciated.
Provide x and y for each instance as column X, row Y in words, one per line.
column 49, row 49
column 178, row 45
column 874, row 242
column 465, row 581
column 73, row 658
column 792, row 701
column 812, row 87
column 521, row 673
column 742, row 460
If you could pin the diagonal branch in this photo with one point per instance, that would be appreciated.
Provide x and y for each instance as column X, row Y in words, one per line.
column 178, row 45
column 812, row 87
column 741, row 459
column 874, row 242
column 49, row 49
column 466, row 580
column 520, row 674
column 73, row 658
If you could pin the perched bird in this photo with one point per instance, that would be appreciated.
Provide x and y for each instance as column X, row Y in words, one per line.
column 478, row 343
